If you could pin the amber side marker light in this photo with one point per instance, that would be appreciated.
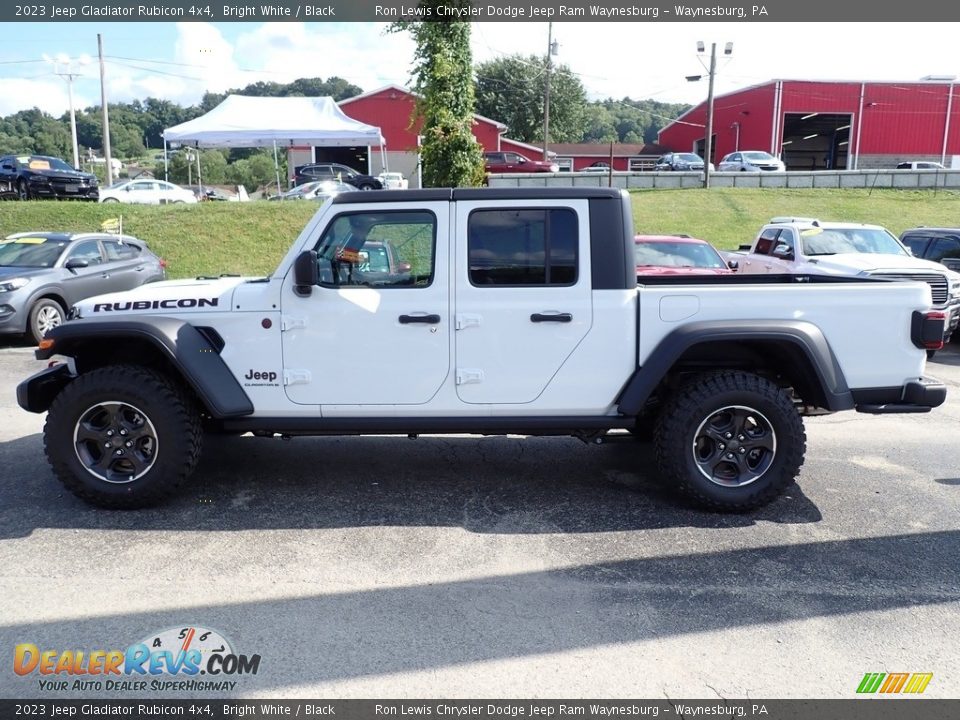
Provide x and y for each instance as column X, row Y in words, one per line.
column 46, row 344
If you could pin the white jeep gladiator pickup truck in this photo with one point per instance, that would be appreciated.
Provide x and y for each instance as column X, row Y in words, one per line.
column 507, row 311
column 812, row 246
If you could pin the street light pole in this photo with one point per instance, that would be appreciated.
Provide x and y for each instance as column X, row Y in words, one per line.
column 711, row 73
column 69, row 75
column 546, row 99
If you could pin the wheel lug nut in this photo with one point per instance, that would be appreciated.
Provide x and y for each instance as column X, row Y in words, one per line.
column 129, row 443
column 728, row 436
column 722, row 446
column 109, row 433
column 106, row 444
column 729, row 456
column 741, row 438
column 123, row 432
column 119, row 451
column 742, row 450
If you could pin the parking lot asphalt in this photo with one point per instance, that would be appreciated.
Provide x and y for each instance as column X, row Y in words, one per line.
column 386, row 567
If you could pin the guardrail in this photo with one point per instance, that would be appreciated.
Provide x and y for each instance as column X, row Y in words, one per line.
column 898, row 179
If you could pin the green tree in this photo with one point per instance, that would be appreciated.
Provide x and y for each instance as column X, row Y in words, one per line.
column 442, row 79
column 513, row 89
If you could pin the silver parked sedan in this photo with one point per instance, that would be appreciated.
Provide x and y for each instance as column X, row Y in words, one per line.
column 43, row 273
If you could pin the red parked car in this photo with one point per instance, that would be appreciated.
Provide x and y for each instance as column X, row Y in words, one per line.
column 678, row 255
column 511, row 162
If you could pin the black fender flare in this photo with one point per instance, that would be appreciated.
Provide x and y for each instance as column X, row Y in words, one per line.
column 195, row 355
column 802, row 337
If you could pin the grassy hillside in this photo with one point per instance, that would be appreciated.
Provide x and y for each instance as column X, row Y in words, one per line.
column 250, row 238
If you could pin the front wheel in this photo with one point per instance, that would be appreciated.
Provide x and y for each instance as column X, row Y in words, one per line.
column 122, row 437
column 109, row 200
column 45, row 315
column 730, row 441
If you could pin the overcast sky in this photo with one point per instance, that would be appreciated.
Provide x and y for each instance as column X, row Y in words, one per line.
column 180, row 61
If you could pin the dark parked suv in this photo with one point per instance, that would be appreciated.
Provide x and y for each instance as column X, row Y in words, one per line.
column 941, row 245
column 42, row 176
column 334, row 171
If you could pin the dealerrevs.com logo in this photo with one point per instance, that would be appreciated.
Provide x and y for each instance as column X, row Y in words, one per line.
column 179, row 659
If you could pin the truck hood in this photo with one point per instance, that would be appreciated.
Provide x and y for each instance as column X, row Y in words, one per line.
column 171, row 297
column 843, row 263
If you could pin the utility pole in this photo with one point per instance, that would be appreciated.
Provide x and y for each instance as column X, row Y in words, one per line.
column 546, row 99
column 106, row 114
column 711, row 73
column 708, row 151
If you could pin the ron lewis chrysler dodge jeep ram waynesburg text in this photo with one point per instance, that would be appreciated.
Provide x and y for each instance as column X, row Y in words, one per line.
column 507, row 311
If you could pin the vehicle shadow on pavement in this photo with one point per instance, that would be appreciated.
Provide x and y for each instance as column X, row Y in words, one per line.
column 485, row 485
column 324, row 636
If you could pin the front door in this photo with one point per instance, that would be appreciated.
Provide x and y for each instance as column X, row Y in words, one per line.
column 523, row 296
column 370, row 333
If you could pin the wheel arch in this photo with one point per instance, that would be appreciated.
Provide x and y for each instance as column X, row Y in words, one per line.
column 185, row 352
column 794, row 352
column 47, row 293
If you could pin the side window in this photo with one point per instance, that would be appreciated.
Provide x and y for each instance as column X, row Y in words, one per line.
column 519, row 247
column 88, row 250
column 785, row 242
column 916, row 243
column 378, row 249
column 117, row 251
column 944, row 247
column 767, row 241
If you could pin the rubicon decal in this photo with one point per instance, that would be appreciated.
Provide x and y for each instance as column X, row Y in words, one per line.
column 148, row 664
column 172, row 304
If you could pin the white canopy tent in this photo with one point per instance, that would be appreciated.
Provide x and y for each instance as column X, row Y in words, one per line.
column 243, row 121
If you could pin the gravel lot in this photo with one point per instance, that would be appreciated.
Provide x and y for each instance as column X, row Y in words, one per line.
column 502, row 567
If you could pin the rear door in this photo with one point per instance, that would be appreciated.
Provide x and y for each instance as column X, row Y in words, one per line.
column 125, row 264
column 523, row 299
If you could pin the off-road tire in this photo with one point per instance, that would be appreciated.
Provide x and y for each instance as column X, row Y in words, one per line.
column 708, row 396
column 42, row 314
column 172, row 416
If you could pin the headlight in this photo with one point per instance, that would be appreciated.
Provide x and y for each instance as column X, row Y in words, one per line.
column 93, row 181
column 13, row 284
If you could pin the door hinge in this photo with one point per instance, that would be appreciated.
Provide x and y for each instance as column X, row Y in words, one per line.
column 292, row 322
column 297, row 377
column 466, row 320
column 469, row 376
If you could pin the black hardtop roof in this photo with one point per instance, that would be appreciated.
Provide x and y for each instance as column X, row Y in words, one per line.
column 526, row 193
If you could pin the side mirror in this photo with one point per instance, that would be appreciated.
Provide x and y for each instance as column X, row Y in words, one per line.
column 522, row 161
column 733, row 264
column 404, row 267
column 76, row 263
column 784, row 251
column 305, row 273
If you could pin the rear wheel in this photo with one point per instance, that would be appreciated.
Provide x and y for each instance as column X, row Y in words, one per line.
column 366, row 186
column 122, row 437
column 110, row 200
column 45, row 315
column 730, row 441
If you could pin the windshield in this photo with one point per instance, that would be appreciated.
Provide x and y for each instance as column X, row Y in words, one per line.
column 28, row 252
column 677, row 254
column 758, row 156
column 42, row 162
column 850, row 240
column 689, row 157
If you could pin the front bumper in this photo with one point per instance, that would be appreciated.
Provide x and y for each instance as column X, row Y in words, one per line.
column 63, row 191
column 915, row 396
column 36, row 393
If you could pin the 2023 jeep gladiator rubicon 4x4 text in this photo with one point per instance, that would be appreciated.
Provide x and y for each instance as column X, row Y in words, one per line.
column 518, row 311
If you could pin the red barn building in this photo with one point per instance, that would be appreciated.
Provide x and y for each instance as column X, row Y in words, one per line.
column 816, row 125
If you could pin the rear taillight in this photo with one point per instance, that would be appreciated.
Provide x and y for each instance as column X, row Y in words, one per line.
column 927, row 329
column 163, row 263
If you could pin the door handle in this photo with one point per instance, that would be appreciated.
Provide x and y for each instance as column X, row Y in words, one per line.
column 425, row 319
column 551, row 317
